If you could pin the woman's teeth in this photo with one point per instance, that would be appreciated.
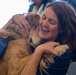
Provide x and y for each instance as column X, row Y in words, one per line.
column 45, row 29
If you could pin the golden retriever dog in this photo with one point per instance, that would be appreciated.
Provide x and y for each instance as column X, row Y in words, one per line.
column 18, row 51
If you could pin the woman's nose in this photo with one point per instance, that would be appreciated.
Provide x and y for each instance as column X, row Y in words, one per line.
column 45, row 23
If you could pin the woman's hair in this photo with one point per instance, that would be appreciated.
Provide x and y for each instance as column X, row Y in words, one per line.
column 67, row 22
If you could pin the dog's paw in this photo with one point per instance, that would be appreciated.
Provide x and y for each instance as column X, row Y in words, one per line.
column 61, row 49
column 4, row 33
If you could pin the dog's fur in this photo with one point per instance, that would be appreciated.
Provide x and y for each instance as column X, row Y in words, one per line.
column 18, row 51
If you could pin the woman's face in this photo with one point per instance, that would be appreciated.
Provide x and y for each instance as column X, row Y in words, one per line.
column 48, row 25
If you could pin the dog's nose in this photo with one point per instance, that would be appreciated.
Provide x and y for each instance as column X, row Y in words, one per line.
column 30, row 40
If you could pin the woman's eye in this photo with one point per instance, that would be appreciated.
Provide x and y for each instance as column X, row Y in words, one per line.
column 52, row 22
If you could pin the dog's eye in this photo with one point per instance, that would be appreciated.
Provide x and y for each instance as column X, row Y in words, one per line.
column 30, row 40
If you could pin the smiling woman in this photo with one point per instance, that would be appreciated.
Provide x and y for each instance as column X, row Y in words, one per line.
column 8, row 8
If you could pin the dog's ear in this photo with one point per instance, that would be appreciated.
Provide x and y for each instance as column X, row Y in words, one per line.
column 33, row 19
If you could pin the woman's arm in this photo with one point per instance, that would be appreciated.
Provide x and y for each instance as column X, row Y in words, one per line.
column 32, row 65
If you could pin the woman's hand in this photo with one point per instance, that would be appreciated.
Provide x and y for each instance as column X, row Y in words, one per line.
column 21, row 21
column 47, row 48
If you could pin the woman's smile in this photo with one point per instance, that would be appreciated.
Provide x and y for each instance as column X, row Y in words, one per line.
column 44, row 30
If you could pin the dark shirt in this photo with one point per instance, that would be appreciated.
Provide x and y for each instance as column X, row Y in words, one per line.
column 60, row 65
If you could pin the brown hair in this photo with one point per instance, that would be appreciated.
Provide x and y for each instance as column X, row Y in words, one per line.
column 67, row 22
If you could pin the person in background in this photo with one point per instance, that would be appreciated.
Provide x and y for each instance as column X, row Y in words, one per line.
column 71, row 2
column 57, row 27
column 38, row 6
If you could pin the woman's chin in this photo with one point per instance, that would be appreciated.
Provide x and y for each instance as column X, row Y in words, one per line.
column 43, row 37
